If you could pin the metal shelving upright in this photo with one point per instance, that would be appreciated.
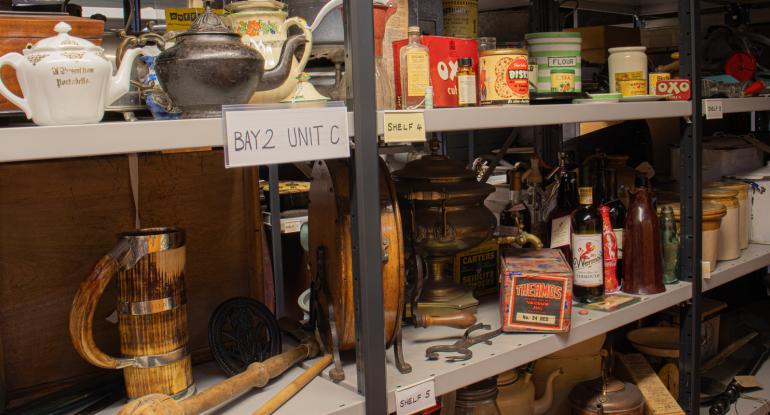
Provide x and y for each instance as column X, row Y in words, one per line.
column 365, row 207
column 690, row 184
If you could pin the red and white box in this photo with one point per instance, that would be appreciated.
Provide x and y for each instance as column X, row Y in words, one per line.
column 444, row 54
column 676, row 89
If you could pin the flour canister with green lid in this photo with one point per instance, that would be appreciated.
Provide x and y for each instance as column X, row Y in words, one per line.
column 555, row 50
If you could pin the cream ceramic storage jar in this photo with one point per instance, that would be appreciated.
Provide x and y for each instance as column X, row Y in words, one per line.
column 713, row 213
column 729, row 234
column 627, row 64
column 759, row 204
column 744, row 207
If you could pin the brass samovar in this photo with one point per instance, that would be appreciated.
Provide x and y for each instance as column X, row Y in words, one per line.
column 443, row 214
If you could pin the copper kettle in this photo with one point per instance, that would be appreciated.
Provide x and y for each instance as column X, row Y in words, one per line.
column 606, row 395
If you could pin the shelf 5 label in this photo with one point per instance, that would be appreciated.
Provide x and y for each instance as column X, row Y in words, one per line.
column 258, row 136
column 416, row 398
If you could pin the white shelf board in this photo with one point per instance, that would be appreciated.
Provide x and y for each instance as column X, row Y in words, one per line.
column 320, row 396
column 502, row 116
column 752, row 258
column 507, row 350
column 26, row 143
column 31, row 142
column 731, row 105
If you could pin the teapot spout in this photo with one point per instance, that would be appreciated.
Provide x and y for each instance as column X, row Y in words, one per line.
column 120, row 83
column 275, row 77
column 544, row 403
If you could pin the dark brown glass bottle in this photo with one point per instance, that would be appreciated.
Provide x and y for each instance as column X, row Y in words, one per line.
column 617, row 214
column 566, row 203
column 643, row 271
column 587, row 260
column 515, row 211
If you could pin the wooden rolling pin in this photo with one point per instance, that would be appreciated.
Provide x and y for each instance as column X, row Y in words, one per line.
column 256, row 376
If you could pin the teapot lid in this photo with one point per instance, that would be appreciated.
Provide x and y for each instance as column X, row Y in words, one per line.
column 253, row 5
column 63, row 41
column 208, row 23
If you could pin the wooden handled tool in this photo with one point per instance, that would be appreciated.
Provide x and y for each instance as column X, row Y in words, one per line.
column 295, row 386
column 256, row 376
column 458, row 320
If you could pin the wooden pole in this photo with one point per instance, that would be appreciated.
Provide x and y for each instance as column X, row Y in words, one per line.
column 295, row 386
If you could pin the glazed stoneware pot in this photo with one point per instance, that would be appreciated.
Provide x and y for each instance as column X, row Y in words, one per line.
column 208, row 67
column 66, row 80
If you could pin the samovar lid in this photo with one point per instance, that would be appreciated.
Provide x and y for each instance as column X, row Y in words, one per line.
column 435, row 168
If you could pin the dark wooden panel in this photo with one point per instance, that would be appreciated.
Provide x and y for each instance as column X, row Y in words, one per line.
column 58, row 217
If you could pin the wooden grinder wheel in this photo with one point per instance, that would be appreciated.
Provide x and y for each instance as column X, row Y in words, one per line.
column 330, row 240
column 329, row 217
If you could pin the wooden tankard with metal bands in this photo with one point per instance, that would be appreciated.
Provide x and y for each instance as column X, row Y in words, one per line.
column 152, row 312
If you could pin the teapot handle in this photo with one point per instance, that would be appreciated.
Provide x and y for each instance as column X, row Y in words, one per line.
column 15, row 60
column 302, row 25
column 84, row 306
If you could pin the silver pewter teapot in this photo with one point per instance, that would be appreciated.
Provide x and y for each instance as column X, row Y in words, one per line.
column 208, row 67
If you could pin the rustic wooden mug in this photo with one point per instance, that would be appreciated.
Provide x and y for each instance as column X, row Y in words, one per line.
column 152, row 313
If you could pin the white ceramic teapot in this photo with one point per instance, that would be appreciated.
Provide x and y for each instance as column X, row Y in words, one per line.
column 66, row 80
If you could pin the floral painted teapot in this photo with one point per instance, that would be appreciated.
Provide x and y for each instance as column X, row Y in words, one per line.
column 263, row 25
column 66, row 80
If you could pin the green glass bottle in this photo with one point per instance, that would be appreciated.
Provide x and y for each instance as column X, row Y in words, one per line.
column 669, row 243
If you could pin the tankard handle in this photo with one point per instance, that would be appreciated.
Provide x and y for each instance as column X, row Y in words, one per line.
column 302, row 25
column 84, row 306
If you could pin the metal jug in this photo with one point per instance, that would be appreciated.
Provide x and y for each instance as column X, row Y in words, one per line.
column 152, row 313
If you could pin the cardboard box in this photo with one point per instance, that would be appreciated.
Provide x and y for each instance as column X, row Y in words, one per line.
column 722, row 156
column 597, row 39
column 477, row 268
column 444, row 54
column 536, row 294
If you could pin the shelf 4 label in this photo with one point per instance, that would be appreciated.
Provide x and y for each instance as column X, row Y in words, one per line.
column 258, row 135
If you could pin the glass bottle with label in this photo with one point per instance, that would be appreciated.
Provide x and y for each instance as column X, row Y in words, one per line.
column 515, row 212
column 587, row 260
column 415, row 71
column 466, row 83
column 642, row 271
column 617, row 214
column 559, row 220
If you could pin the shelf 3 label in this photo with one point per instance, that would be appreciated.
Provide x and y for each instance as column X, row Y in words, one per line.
column 257, row 135
column 415, row 398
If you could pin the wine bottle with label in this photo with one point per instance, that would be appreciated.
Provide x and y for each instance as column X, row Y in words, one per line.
column 559, row 235
column 587, row 259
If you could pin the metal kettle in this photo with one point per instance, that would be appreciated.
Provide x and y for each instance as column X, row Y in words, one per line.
column 606, row 395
